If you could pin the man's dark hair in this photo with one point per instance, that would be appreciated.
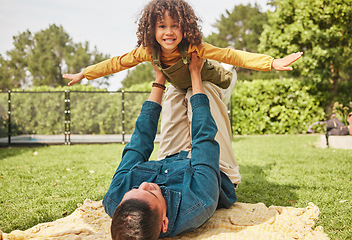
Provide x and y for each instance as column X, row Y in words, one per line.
column 134, row 219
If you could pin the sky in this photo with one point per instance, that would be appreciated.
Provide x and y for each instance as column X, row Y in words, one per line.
column 108, row 25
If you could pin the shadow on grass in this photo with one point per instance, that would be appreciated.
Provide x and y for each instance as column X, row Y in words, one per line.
column 256, row 188
column 238, row 138
column 6, row 152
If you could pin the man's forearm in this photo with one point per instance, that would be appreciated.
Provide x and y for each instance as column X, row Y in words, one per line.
column 197, row 86
column 141, row 144
column 205, row 149
column 156, row 95
column 142, row 141
column 195, row 68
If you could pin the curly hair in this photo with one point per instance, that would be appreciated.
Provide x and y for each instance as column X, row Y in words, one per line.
column 179, row 9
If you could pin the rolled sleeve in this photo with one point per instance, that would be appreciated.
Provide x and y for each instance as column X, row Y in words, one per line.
column 205, row 149
column 141, row 144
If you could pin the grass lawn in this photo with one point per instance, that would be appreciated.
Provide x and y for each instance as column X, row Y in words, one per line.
column 41, row 184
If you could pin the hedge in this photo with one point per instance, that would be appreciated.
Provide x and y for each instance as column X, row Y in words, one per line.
column 281, row 106
column 91, row 112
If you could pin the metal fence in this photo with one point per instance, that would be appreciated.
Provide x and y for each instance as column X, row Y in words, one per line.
column 65, row 117
column 69, row 117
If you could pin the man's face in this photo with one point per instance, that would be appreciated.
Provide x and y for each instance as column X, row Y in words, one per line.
column 150, row 193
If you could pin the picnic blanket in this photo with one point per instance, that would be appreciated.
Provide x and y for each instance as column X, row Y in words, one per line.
column 241, row 221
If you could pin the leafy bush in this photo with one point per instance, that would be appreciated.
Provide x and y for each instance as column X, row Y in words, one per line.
column 274, row 107
column 341, row 112
column 3, row 114
column 101, row 113
column 95, row 113
column 259, row 107
column 37, row 113
column 41, row 110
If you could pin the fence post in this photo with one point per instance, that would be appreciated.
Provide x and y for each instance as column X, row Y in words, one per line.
column 9, row 118
column 67, row 118
column 123, row 115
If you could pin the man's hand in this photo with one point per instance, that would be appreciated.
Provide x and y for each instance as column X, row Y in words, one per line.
column 75, row 78
column 283, row 63
column 196, row 63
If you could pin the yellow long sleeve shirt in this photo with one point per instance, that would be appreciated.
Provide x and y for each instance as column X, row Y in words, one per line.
column 141, row 54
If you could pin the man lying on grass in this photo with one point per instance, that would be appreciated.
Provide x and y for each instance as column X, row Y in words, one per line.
column 152, row 199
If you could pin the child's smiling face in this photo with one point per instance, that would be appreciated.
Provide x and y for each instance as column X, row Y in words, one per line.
column 168, row 33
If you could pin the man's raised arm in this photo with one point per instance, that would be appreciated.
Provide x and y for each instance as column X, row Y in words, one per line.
column 141, row 144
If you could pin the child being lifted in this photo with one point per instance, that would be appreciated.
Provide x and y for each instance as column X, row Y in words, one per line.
column 168, row 33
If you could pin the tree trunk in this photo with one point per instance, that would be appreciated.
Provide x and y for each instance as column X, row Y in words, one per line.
column 335, row 76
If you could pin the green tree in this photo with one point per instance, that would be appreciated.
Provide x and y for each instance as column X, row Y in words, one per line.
column 41, row 59
column 320, row 28
column 13, row 70
column 241, row 29
column 6, row 81
column 47, row 55
column 141, row 73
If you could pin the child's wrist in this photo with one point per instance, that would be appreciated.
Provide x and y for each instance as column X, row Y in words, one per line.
column 158, row 85
column 272, row 64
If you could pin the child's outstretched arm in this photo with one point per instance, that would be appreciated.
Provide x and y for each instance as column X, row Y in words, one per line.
column 112, row 65
column 282, row 64
column 75, row 78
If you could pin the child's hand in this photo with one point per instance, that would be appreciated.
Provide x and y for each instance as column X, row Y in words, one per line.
column 196, row 63
column 283, row 63
column 75, row 78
